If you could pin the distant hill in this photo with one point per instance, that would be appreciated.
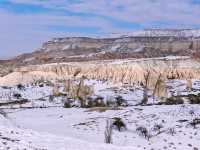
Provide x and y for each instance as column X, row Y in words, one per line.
column 139, row 44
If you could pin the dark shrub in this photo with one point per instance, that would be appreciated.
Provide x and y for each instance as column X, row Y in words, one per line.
column 51, row 98
column 96, row 102
column 41, row 85
column 175, row 100
column 171, row 131
column 17, row 95
column 110, row 103
column 118, row 123
column 158, row 128
column 182, row 120
column 192, row 112
column 6, row 87
column 20, row 87
column 195, row 122
column 194, row 99
column 67, row 104
column 120, row 101
column 90, row 102
column 60, row 94
column 142, row 131
column 48, row 83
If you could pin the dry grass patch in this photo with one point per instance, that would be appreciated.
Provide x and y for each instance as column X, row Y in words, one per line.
column 101, row 109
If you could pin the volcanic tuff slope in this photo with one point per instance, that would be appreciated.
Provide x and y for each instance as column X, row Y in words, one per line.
column 129, row 71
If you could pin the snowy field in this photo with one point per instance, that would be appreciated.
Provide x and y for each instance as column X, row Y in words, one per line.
column 16, row 138
column 31, row 119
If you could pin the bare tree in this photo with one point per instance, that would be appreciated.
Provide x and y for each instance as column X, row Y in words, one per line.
column 159, row 88
column 189, row 84
column 142, row 131
column 67, row 85
column 146, row 78
column 78, row 90
column 123, row 76
column 55, row 90
column 3, row 113
column 171, row 131
column 145, row 86
column 79, row 87
column 108, row 132
column 83, row 91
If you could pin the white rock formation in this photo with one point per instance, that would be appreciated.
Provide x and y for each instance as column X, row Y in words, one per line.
column 130, row 71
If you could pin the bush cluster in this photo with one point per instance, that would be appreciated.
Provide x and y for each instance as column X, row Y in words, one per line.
column 119, row 124
column 194, row 99
column 175, row 100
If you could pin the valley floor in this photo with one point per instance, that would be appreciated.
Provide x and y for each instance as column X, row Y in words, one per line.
column 60, row 128
column 44, row 124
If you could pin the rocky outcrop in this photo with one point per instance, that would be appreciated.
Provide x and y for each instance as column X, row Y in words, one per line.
column 121, row 71
column 123, row 44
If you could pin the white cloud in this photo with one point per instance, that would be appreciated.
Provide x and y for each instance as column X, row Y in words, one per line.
column 139, row 11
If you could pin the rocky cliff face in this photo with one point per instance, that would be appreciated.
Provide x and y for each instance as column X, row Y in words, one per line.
column 141, row 44
column 83, row 49
column 171, row 41
column 147, row 44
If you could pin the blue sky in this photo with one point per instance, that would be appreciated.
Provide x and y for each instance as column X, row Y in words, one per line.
column 25, row 24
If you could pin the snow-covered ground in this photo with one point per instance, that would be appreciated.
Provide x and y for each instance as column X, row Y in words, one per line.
column 50, row 128
column 43, row 123
column 15, row 138
column 39, row 96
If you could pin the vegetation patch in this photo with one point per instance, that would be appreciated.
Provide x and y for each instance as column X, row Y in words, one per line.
column 119, row 124
column 194, row 99
column 175, row 100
